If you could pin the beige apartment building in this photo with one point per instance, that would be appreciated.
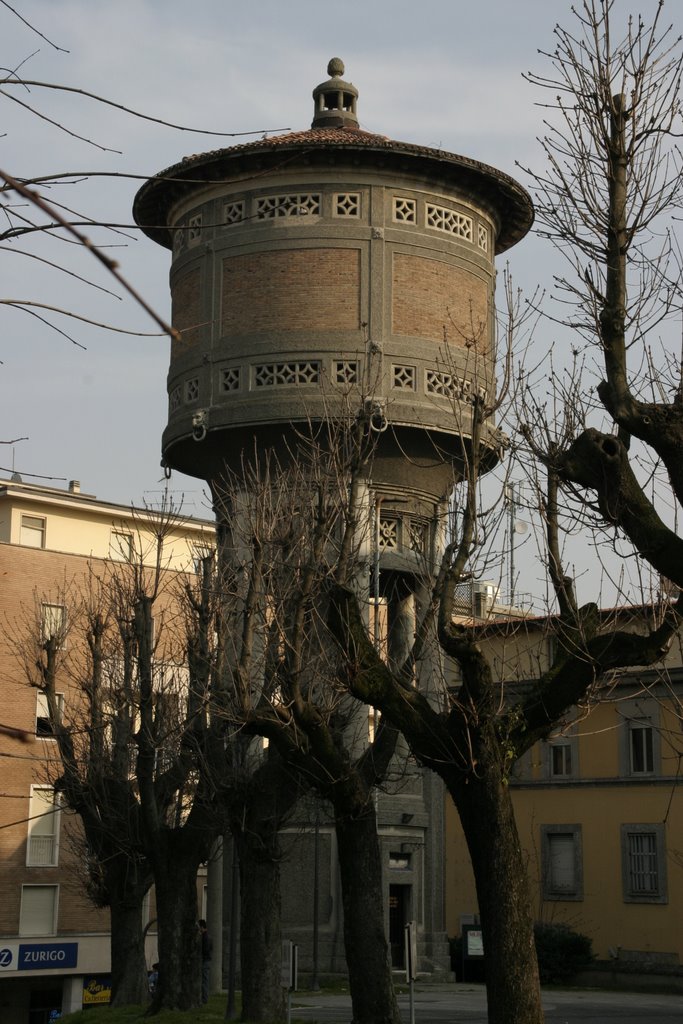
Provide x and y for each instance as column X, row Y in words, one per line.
column 599, row 806
column 54, row 943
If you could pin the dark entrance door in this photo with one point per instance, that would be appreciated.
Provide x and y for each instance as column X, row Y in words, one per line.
column 399, row 903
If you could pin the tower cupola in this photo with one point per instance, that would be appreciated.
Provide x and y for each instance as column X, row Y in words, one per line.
column 335, row 100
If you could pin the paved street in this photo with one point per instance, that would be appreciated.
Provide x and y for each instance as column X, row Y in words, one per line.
column 466, row 1004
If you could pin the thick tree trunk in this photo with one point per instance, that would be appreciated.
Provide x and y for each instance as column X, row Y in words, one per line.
column 487, row 817
column 127, row 943
column 263, row 997
column 367, row 953
column 175, row 876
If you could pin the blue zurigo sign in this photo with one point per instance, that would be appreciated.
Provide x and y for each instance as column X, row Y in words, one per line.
column 42, row 956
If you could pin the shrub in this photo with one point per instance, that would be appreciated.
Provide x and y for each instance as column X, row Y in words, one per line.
column 561, row 952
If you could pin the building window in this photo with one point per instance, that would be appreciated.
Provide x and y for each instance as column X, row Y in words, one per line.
column 561, row 862
column 643, row 864
column 121, row 546
column 639, row 742
column 641, row 748
column 38, row 914
column 44, row 726
column 43, row 828
column 561, row 757
column 32, row 533
column 53, row 623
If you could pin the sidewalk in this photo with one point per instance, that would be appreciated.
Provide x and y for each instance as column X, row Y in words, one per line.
column 462, row 1003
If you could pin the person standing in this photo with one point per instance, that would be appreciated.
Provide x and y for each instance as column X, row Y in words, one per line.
column 207, row 947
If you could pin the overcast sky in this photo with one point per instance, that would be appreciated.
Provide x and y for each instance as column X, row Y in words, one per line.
column 442, row 73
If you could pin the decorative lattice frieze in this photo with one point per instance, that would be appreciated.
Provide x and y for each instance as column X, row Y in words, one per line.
column 483, row 237
column 447, row 385
column 403, row 377
column 291, row 205
column 416, row 535
column 191, row 391
column 272, row 375
column 388, row 533
column 345, row 371
column 233, row 213
column 179, row 241
column 229, row 379
column 454, row 223
column 405, row 210
column 175, row 399
column 347, row 204
column 194, row 229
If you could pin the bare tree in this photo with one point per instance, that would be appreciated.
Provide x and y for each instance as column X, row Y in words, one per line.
column 131, row 760
column 614, row 174
column 95, row 734
column 296, row 521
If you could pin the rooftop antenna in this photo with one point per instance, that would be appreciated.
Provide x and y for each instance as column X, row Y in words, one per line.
column 16, row 477
column 515, row 526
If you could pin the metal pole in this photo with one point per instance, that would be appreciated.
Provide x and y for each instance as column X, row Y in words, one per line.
column 511, row 498
column 230, row 1011
column 315, row 984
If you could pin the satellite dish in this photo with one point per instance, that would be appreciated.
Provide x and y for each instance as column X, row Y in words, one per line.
column 521, row 527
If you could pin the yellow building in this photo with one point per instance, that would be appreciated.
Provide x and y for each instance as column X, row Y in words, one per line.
column 54, row 943
column 599, row 806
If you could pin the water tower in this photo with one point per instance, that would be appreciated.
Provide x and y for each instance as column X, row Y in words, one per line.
column 337, row 261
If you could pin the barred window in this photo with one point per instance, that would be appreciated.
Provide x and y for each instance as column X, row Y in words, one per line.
column 643, row 864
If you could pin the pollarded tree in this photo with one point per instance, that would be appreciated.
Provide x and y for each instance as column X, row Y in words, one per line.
column 295, row 523
column 131, row 761
column 94, row 734
column 614, row 175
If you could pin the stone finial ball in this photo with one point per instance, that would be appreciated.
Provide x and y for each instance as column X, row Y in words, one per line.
column 336, row 67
